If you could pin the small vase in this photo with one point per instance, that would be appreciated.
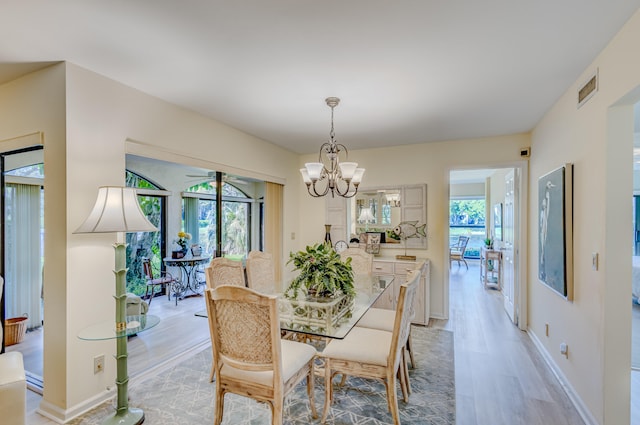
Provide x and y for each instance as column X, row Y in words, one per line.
column 327, row 234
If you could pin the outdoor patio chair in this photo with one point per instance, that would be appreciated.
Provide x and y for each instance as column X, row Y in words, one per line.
column 456, row 252
column 163, row 280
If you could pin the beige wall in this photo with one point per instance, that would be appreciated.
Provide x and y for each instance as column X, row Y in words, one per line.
column 88, row 123
column 428, row 163
column 466, row 190
column 597, row 138
column 36, row 103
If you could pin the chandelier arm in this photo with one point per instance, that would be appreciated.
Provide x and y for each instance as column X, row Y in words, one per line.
column 344, row 148
column 315, row 193
column 346, row 193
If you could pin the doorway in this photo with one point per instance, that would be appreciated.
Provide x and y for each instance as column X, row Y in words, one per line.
column 22, row 261
column 501, row 224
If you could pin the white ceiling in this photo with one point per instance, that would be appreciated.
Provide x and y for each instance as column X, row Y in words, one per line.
column 407, row 71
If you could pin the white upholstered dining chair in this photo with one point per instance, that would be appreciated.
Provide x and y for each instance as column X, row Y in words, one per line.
column 373, row 353
column 250, row 358
column 380, row 318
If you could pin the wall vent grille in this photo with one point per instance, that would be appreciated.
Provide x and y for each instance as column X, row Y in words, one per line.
column 588, row 89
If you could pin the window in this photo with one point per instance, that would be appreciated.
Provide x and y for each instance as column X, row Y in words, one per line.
column 145, row 244
column 199, row 218
column 467, row 218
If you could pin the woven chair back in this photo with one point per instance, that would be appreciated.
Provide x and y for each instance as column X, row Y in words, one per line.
column 403, row 317
column 261, row 272
column 361, row 261
column 244, row 328
column 223, row 271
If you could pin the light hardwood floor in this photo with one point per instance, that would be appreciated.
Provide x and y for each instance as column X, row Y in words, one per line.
column 179, row 330
column 500, row 377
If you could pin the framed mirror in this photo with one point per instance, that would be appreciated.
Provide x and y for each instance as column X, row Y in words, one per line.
column 380, row 210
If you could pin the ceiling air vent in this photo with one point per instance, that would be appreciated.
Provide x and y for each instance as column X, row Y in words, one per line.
column 588, row 89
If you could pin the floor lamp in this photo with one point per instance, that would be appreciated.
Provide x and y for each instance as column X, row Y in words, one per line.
column 117, row 210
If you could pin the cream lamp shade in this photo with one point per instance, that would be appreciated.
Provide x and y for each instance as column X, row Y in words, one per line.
column 116, row 210
column 366, row 216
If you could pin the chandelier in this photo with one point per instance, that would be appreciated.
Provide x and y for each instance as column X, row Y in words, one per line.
column 342, row 178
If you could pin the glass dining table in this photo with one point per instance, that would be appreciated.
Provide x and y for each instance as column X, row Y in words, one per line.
column 330, row 317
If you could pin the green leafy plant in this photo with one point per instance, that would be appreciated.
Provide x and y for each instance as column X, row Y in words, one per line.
column 488, row 241
column 322, row 273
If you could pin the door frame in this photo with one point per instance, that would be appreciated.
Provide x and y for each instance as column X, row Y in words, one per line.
column 521, row 238
column 19, row 144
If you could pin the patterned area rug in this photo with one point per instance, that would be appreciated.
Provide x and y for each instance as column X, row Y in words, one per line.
column 184, row 396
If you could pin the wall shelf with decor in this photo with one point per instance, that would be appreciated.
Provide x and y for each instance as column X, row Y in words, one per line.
column 491, row 268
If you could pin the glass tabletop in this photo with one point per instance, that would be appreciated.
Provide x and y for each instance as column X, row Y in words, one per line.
column 329, row 317
column 332, row 317
column 107, row 330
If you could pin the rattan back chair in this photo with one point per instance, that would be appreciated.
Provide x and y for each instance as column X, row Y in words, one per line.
column 223, row 271
column 248, row 351
column 380, row 318
column 373, row 353
column 260, row 272
column 361, row 261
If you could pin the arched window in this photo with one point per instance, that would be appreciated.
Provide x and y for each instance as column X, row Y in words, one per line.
column 146, row 244
column 199, row 211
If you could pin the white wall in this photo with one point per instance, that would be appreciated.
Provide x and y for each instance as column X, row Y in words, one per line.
column 597, row 138
column 428, row 163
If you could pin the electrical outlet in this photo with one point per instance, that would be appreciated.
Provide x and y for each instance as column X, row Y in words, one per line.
column 98, row 364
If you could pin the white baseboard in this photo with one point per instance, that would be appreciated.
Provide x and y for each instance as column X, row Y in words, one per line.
column 577, row 402
column 62, row 416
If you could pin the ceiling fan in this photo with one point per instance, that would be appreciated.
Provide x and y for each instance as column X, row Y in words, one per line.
column 211, row 176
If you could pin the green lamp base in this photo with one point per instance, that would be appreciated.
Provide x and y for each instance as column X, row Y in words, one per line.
column 131, row 416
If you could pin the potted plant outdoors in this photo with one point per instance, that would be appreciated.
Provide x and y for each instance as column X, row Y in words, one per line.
column 322, row 273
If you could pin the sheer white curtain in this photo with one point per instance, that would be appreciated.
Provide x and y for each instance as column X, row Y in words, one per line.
column 23, row 252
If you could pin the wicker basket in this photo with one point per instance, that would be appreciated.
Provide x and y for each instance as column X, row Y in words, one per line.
column 14, row 330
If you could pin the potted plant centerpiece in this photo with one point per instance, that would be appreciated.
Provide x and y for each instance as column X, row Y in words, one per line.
column 321, row 273
column 322, row 294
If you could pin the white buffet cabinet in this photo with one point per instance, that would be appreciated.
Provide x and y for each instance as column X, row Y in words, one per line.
column 400, row 268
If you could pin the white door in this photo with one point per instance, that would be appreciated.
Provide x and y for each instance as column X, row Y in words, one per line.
column 508, row 252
